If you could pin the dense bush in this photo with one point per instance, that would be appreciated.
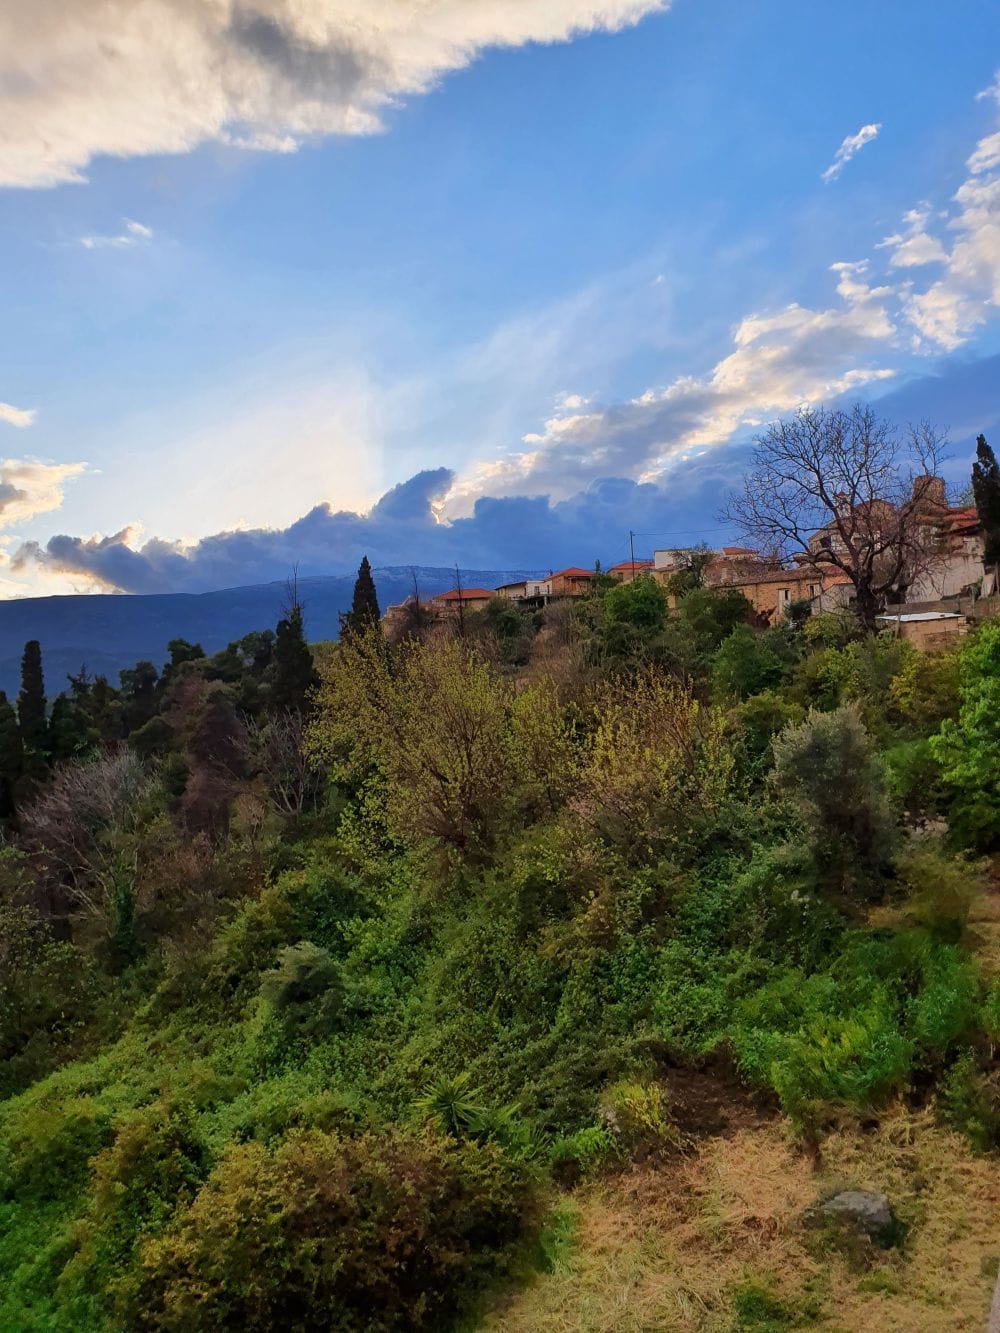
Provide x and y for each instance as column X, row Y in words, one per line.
column 387, row 1231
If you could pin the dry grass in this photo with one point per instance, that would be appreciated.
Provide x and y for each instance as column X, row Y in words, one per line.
column 662, row 1249
column 984, row 924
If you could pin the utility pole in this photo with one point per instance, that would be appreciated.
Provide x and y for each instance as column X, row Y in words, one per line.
column 631, row 550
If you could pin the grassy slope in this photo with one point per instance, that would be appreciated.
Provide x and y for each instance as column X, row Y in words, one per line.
column 671, row 1247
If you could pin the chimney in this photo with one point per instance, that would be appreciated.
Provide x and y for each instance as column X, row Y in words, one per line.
column 929, row 490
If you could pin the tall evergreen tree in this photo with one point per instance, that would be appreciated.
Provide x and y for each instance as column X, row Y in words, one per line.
column 138, row 694
column 71, row 732
column 986, row 490
column 31, row 700
column 293, row 675
column 11, row 757
column 364, row 613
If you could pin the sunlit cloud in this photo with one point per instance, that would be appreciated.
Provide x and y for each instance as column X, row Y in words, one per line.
column 124, row 80
column 850, row 146
column 29, row 488
column 17, row 416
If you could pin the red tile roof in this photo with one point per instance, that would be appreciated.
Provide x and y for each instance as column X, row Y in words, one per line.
column 627, row 564
column 467, row 594
column 738, row 550
column 572, row 573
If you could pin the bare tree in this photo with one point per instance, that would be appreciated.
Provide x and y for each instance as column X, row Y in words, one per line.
column 849, row 491
column 294, row 780
column 83, row 830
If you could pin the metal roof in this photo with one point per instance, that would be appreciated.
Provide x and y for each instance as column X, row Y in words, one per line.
column 923, row 615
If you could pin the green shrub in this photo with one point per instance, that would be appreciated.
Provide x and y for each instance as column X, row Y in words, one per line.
column 853, row 1062
column 913, row 778
column 759, row 1308
column 941, row 890
column 826, row 768
column 385, row 1231
column 969, row 749
column 969, row 1100
column 636, row 1115
column 573, row 1157
column 48, row 1148
column 48, row 993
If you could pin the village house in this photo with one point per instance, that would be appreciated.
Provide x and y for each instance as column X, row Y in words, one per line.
column 571, row 582
column 461, row 599
column 948, row 539
column 627, row 570
column 527, row 591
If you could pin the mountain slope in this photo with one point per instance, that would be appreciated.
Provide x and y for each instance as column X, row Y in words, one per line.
column 110, row 631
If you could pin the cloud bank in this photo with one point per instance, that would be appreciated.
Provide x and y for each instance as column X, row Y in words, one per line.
column 126, row 79
column 849, row 147
column 404, row 528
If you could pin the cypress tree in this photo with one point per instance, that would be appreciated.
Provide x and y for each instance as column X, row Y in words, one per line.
column 31, row 700
column 986, row 490
column 364, row 613
column 293, row 674
column 11, row 757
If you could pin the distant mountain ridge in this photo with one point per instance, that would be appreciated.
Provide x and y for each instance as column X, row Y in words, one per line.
column 110, row 631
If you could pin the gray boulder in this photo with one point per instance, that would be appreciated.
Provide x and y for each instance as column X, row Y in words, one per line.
column 863, row 1212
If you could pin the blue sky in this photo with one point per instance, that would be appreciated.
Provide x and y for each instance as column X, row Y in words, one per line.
column 537, row 268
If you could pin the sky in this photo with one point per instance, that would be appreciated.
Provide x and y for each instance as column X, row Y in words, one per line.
column 479, row 281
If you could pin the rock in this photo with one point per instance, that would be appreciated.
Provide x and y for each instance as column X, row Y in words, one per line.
column 864, row 1212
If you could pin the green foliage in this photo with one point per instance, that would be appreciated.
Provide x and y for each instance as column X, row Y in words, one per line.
column 271, row 1062
column 969, row 749
column 757, row 1307
column 575, row 1156
column 636, row 1115
column 364, row 614
column 31, row 708
column 986, row 492
column 710, row 615
column 745, row 665
column 380, row 1232
column 941, row 890
column 48, row 991
column 292, row 673
column 969, row 1100
column 11, row 758
column 913, row 778
column 825, row 767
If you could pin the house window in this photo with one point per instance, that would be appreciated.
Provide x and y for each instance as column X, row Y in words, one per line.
column 782, row 596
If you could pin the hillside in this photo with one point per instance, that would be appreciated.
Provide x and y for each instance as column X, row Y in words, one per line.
column 616, row 967
column 108, row 632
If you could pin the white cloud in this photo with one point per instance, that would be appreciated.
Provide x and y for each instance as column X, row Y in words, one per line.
column 134, row 233
column 986, row 155
column 778, row 362
column 848, row 148
column 124, row 79
column 913, row 247
column 948, row 312
column 16, row 416
column 29, row 488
